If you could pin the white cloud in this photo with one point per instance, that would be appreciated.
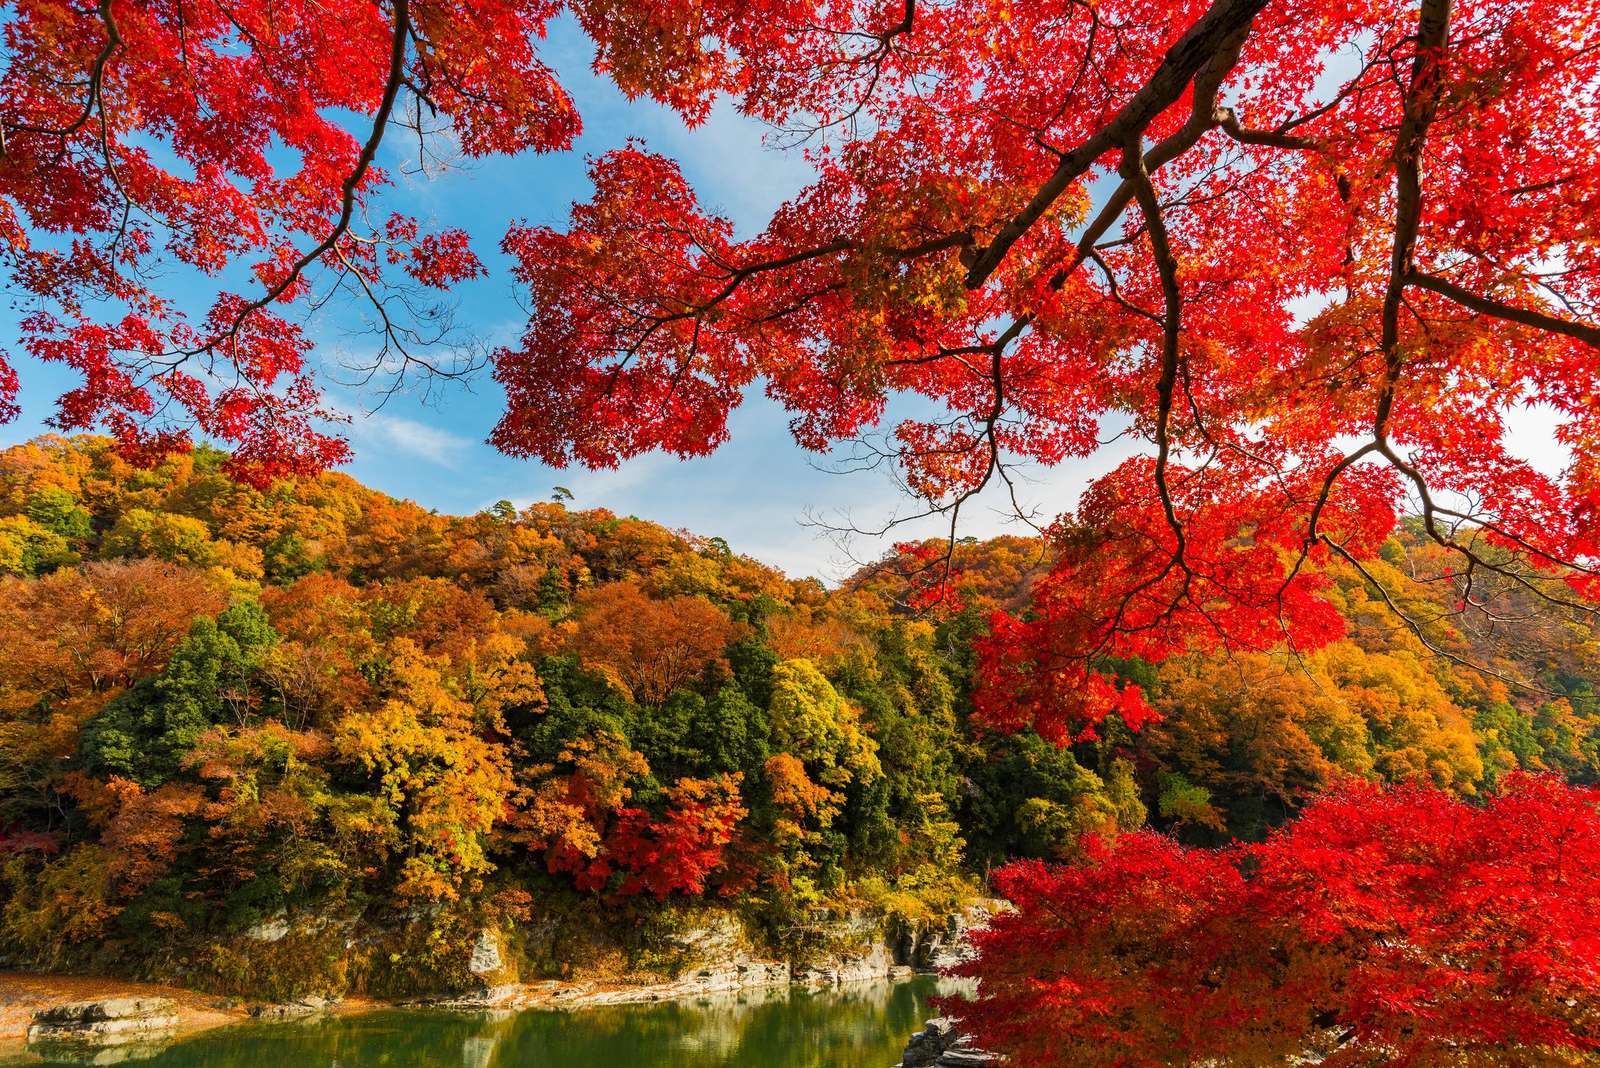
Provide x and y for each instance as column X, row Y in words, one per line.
column 375, row 430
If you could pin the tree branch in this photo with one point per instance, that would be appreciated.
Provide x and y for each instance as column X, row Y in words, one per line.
column 1171, row 328
column 1583, row 332
column 1421, row 103
column 352, row 181
column 97, row 76
column 1221, row 29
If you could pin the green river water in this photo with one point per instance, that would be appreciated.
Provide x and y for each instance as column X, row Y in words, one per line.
column 863, row 1026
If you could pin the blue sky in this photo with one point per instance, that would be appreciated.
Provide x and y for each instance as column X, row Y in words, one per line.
column 760, row 491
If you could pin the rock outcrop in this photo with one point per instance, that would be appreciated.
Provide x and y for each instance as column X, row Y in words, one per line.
column 874, row 962
column 948, row 947
column 311, row 1005
column 940, row 1045
column 486, row 959
column 722, row 979
column 107, row 1022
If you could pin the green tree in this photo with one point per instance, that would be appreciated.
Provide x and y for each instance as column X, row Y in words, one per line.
column 28, row 549
column 144, row 734
column 57, row 511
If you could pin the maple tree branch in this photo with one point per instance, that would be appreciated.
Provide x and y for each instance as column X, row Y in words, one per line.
column 1204, row 115
column 904, row 25
column 1136, row 169
column 648, row 324
column 1116, row 292
column 1421, row 103
column 1500, row 532
column 882, row 49
column 1589, row 335
column 1433, row 28
column 1420, row 106
column 1417, row 629
column 97, row 74
column 1229, row 122
column 352, row 181
column 734, row 277
column 986, row 437
column 737, row 275
column 1171, row 327
column 1318, row 506
column 1193, row 57
column 395, row 339
column 1430, row 510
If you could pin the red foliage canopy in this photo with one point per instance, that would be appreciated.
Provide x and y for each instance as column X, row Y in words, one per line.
column 678, row 851
column 1402, row 927
column 1311, row 255
column 137, row 134
column 673, row 853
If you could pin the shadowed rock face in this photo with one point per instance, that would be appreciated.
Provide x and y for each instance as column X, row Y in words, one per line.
column 940, row 1045
column 103, row 1023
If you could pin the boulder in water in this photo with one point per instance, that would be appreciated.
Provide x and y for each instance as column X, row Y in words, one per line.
column 940, row 1045
column 310, row 1005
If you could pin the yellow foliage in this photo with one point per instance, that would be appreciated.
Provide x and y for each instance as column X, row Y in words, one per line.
column 446, row 784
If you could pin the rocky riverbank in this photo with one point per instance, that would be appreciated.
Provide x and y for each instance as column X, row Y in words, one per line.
column 712, row 961
column 874, row 965
column 23, row 997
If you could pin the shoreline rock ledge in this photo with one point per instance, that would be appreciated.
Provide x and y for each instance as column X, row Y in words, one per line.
column 940, row 1045
column 106, row 1022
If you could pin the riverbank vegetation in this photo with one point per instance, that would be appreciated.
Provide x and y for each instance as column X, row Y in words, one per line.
column 311, row 737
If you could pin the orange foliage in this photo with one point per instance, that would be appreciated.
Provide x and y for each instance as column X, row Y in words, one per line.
column 650, row 647
column 71, row 641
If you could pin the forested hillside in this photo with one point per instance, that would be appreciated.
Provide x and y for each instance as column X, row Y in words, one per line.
column 222, row 707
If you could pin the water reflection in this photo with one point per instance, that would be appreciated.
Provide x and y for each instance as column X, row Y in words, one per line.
column 78, row 1053
column 862, row 1026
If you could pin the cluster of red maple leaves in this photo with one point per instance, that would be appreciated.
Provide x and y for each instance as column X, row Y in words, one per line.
column 1404, row 927
column 138, row 137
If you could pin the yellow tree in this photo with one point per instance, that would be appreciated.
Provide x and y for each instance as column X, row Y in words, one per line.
column 444, row 773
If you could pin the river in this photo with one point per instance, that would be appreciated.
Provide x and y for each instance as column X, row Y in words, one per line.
column 860, row 1026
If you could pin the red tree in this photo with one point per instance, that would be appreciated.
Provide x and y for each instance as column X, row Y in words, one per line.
column 1311, row 256
column 1401, row 927
column 679, row 850
column 138, row 135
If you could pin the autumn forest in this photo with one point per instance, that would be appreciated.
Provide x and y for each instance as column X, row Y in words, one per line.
column 1266, row 734
column 224, row 705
